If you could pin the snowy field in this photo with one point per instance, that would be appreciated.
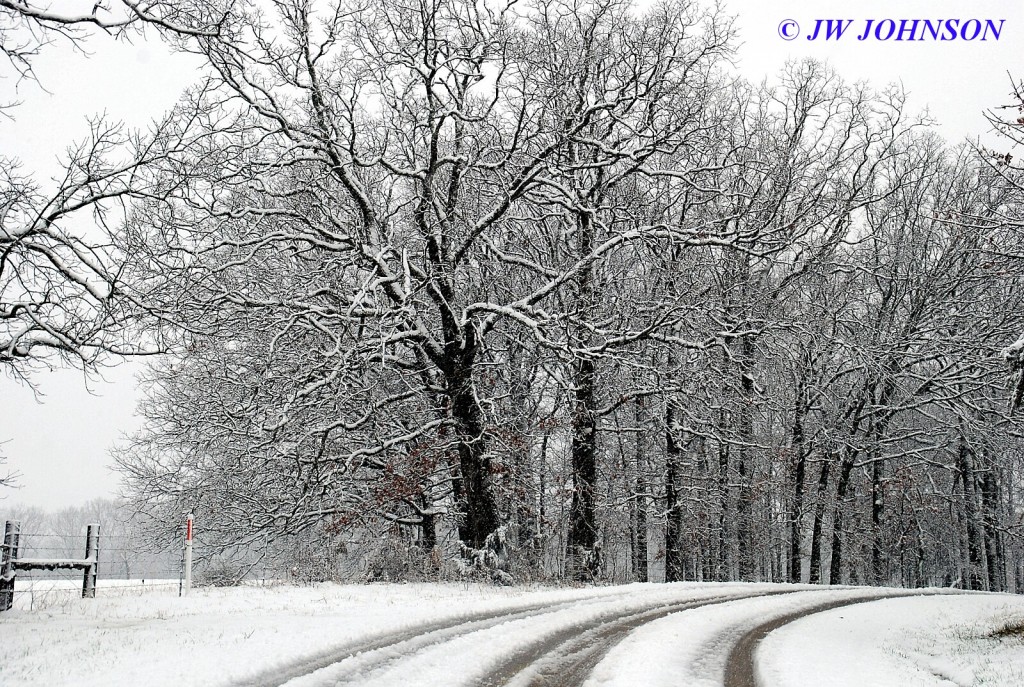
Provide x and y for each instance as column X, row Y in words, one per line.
column 48, row 594
column 462, row 634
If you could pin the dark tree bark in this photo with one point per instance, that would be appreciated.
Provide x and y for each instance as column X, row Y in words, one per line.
column 542, row 489
column 640, row 565
column 993, row 540
column 475, row 490
column 674, row 567
column 724, row 520
column 744, row 462
column 849, row 458
column 583, row 561
column 838, row 522
column 878, row 562
column 799, row 472
column 819, row 517
column 975, row 580
column 428, row 529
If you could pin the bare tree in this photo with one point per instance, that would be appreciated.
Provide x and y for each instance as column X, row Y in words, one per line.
column 27, row 28
column 400, row 204
column 60, row 274
column 547, row 277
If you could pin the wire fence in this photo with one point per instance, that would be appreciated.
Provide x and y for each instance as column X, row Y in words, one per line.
column 119, row 556
column 32, row 593
column 128, row 564
column 124, row 567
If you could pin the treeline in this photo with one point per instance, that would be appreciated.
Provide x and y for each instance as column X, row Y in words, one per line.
column 549, row 290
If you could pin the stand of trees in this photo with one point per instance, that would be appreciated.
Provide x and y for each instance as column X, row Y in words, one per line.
column 549, row 289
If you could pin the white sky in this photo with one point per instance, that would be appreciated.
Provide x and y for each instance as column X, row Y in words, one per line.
column 60, row 445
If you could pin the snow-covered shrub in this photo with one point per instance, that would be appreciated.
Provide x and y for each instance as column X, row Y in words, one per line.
column 219, row 573
column 398, row 560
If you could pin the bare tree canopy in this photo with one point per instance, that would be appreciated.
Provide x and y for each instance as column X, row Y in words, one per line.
column 27, row 28
column 61, row 295
column 544, row 287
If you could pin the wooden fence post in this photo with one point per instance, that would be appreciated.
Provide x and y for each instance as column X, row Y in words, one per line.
column 92, row 552
column 9, row 551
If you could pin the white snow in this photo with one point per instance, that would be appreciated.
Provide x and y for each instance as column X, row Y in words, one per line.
column 233, row 636
column 1012, row 353
column 910, row 642
column 230, row 635
column 466, row 658
column 691, row 647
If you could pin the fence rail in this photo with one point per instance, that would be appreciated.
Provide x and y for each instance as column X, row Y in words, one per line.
column 40, row 563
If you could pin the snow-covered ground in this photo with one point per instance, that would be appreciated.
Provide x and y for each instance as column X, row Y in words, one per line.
column 228, row 635
column 909, row 642
column 239, row 636
column 691, row 648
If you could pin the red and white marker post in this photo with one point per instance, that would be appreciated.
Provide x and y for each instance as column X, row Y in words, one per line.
column 188, row 556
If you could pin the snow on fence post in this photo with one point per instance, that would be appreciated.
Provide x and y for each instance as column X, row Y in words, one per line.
column 9, row 551
column 92, row 553
column 10, row 563
column 188, row 555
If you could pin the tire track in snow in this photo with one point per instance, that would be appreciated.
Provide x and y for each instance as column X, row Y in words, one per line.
column 416, row 634
column 741, row 665
column 567, row 658
column 373, row 667
column 564, row 657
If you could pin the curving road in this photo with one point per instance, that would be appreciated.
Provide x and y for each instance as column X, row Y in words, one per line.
column 561, row 644
column 741, row 667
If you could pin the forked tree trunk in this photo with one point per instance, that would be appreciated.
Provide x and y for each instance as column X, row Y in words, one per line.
column 474, row 489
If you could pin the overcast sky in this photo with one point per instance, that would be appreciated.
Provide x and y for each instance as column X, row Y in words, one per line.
column 60, row 444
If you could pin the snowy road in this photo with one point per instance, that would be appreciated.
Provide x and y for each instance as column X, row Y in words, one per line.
column 461, row 635
column 564, row 644
column 741, row 668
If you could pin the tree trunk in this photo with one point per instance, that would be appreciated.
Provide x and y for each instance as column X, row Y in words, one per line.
column 819, row 517
column 799, row 469
column 674, row 571
column 993, row 542
column 582, row 559
column 842, row 486
column 878, row 563
column 974, row 547
column 541, row 526
column 745, row 505
column 473, row 489
column 428, row 530
column 640, row 565
column 582, row 553
column 724, row 520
